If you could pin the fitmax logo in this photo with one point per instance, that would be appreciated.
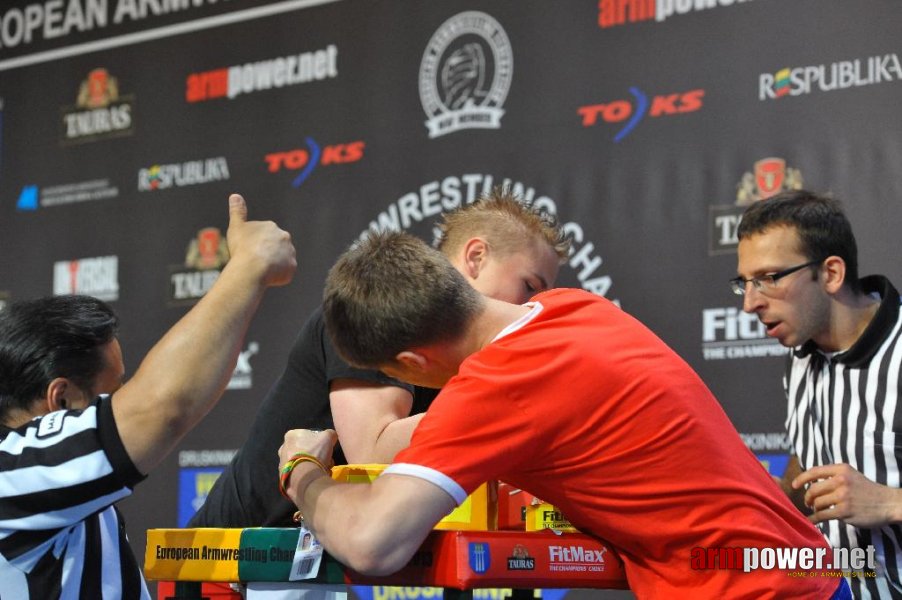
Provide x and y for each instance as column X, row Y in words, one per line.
column 634, row 111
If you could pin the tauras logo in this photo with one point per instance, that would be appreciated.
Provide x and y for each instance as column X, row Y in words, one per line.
column 100, row 112
column 205, row 257
column 520, row 560
column 768, row 177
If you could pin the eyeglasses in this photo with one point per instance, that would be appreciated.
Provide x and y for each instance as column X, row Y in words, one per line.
column 766, row 283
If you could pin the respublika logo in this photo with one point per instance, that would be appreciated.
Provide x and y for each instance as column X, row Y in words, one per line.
column 632, row 112
column 620, row 12
column 841, row 75
column 306, row 160
column 465, row 74
column 729, row 333
column 100, row 112
column 431, row 198
column 480, row 557
column 98, row 277
column 769, row 177
column 248, row 78
column 192, row 172
column 205, row 257
column 31, row 197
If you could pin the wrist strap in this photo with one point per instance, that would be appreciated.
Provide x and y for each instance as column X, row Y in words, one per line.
column 296, row 459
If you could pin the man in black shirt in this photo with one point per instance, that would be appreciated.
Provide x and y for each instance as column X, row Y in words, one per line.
column 504, row 249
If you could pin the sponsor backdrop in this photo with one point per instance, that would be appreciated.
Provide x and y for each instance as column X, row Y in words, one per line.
column 644, row 125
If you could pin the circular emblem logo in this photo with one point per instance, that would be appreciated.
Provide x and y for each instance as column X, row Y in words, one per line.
column 465, row 74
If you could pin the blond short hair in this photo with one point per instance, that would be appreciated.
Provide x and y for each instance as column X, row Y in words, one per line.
column 506, row 223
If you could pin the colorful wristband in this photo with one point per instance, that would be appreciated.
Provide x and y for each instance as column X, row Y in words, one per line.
column 286, row 469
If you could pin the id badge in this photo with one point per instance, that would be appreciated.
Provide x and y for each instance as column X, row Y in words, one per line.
column 307, row 556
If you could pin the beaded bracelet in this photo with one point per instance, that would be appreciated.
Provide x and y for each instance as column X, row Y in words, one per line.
column 291, row 463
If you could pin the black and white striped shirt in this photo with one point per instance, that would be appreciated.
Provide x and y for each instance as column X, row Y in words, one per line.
column 60, row 535
column 847, row 408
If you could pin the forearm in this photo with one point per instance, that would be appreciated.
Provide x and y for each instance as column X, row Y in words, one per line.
column 353, row 526
column 185, row 373
column 391, row 440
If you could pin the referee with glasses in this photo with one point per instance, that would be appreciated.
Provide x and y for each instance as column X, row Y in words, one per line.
column 798, row 272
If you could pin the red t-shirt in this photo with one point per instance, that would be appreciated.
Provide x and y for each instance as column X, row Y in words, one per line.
column 583, row 406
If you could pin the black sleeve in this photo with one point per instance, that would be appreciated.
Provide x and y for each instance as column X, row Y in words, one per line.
column 108, row 432
column 247, row 493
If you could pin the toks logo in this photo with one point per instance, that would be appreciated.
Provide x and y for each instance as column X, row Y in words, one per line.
column 618, row 111
column 307, row 160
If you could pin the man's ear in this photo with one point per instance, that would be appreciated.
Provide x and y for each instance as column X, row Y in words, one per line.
column 476, row 252
column 58, row 394
column 834, row 269
column 412, row 360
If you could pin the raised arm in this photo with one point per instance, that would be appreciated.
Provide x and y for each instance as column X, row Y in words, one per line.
column 185, row 373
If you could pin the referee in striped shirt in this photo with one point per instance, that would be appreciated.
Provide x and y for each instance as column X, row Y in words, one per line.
column 74, row 440
column 797, row 270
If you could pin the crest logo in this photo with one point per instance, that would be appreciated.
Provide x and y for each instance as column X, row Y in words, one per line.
column 205, row 257
column 99, row 90
column 768, row 177
column 480, row 559
column 99, row 112
column 520, row 560
column 771, row 176
column 465, row 74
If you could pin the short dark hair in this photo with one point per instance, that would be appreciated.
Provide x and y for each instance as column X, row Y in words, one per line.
column 822, row 226
column 391, row 292
column 46, row 338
